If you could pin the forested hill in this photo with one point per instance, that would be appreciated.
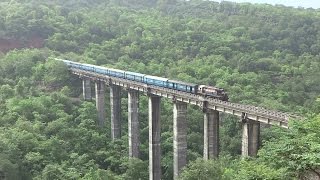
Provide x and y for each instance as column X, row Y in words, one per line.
column 261, row 54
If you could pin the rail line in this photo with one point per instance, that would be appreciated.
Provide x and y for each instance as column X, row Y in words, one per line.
column 245, row 111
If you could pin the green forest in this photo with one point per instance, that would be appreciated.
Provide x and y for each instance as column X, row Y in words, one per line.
column 262, row 55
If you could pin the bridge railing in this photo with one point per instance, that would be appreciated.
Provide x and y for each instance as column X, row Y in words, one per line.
column 254, row 112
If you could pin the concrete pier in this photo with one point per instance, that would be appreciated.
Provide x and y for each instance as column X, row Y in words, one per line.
column 86, row 89
column 115, row 105
column 154, row 138
column 211, row 134
column 179, row 137
column 250, row 137
column 100, row 102
column 133, row 123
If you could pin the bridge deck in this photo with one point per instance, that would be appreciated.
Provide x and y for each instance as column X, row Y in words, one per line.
column 251, row 112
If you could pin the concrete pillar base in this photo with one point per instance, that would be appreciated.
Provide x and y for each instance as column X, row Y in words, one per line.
column 211, row 135
column 86, row 89
column 100, row 102
column 133, row 123
column 179, row 137
column 154, row 138
column 115, row 105
column 250, row 138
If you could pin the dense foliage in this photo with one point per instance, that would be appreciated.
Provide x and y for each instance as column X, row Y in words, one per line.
column 261, row 54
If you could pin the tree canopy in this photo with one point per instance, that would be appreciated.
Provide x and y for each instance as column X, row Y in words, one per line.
column 262, row 55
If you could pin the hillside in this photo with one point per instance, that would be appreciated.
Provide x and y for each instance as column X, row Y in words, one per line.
column 262, row 55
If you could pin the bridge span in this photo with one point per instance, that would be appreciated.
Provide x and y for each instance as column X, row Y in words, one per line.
column 250, row 116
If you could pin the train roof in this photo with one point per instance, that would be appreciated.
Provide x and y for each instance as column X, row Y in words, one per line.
column 134, row 73
column 110, row 69
column 156, row 77
column 180, row 82
column 85, row 64
column 116, row 70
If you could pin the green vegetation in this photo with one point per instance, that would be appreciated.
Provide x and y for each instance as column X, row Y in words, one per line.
column 261, row 54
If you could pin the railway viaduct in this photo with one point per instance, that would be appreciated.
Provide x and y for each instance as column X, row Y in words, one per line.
column 251, row 117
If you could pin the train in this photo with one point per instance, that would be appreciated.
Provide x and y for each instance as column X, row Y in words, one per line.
column 203, row 90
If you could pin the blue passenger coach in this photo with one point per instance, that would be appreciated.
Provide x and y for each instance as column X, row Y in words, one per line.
column 134, row 76
column 157, row 81
column 116, row 73
column 182, row 86
column 207, row 91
